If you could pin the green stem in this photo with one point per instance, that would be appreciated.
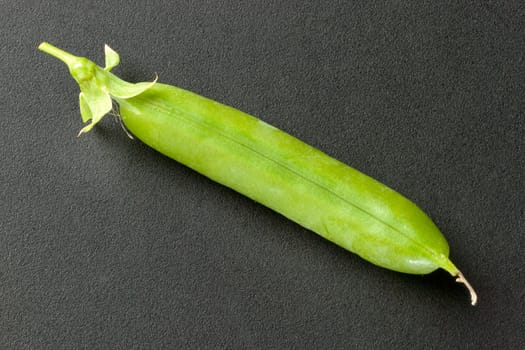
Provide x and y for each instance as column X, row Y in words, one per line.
column 54, row 51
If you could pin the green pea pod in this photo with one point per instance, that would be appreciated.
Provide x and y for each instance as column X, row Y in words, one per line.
column 268, row 165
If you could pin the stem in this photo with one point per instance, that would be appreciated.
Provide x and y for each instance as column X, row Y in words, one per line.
column 54, row 51
column 473, row 296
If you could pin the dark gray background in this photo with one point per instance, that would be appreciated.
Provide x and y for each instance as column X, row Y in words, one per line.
column 106, row 244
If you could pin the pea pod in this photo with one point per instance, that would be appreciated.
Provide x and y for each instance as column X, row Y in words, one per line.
column 268, row 165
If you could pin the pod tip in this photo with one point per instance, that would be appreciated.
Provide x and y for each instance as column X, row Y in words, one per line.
column 473, row 296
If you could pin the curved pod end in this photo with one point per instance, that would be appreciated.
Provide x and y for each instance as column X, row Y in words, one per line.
column 473, row 296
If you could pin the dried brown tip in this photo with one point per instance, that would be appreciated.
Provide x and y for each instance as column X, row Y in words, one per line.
column 473, row 296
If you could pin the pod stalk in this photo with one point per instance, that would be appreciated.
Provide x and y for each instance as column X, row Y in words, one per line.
column 54, row 51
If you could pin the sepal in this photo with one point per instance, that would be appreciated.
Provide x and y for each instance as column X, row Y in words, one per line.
column 122, row 89
column 95, row 103
column 112, row 58
column 85, row 112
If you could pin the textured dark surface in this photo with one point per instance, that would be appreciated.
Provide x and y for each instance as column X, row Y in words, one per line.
column 105, row 244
